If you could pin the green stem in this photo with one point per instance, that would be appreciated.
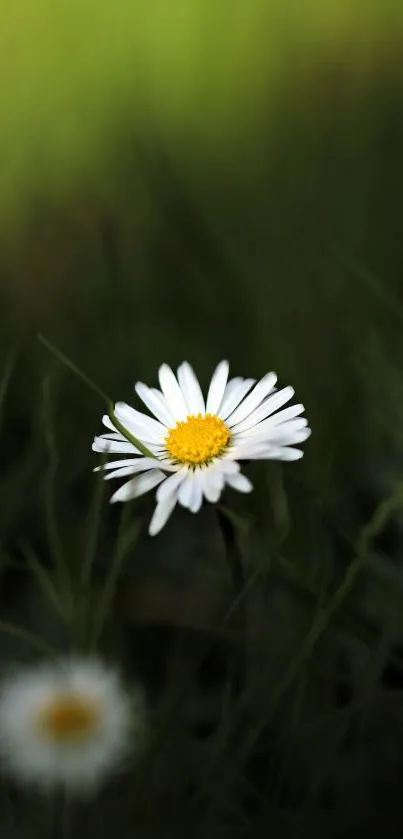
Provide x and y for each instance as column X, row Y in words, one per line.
column 55, row 543
column 232, row 552
column 130, row 437
column 368, row 534
column 92, row 536
column 322, row 621
column 237, row 663
column 29, row 637
column 76, row 370
column 83, row 594
column 109, row 587
column 44, row 579
column 91, row 384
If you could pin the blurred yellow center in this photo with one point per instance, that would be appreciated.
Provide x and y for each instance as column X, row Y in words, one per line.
column 198, row 439
column 69, row 717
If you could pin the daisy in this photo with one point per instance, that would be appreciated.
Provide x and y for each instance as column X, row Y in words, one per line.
column 65, row 724
column 196, row 444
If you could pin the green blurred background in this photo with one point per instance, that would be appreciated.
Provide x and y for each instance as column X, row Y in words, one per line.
column 205, row 180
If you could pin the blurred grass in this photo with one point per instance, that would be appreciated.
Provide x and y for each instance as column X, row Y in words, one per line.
column 204, row 184
column 198, row 73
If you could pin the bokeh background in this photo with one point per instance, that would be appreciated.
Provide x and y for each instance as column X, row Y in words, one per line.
column 205, row 180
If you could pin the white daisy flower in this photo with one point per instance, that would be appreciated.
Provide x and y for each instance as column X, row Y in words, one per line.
column 65, row 724
column 196, row 444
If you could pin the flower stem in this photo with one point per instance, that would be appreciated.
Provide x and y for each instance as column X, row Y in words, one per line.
column 125, row 540
column 232, row 551
column 22, row 634
column 237, row 665
column 109, row 402
column 130, row 437
column 54, row 539
column 74, row 369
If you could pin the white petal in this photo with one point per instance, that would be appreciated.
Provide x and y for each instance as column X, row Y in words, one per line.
column 172, row 392
column 123, row 471
column 229, row 467
column 250, row 449
column 239, row 482
column 163, row 400
column 289, row 454
column 138, row 486
column 217, row 387
column 190, row 493
column 191, row 389
column 211, row 490
column 144, row 427
column 235, row 391
column 230, row 388
column 114, row 436
column 114, row 464
column 267, row 430
column 108, row 422
column 286, row 453
column 161, row 514
column 288, row 437
column 101, row 445
column 197, row 494
column 259, row 392
column 153, row 399
column 288, row 414
column 186, row 490
column 213, row 483
column 143, row 464
column 172, row 484
column 286, row 434
column 291, row 425
column 268, row 406
column 216, row 477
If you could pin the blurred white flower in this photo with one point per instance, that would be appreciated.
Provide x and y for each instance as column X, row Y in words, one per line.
column 200, row 442
column 66, row 724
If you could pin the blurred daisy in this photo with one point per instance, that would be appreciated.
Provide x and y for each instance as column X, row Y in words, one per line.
column 64, row 724
column 196, row 444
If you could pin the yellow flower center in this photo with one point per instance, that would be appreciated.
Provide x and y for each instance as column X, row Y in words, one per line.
column 69, row 718
column 198, row 439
